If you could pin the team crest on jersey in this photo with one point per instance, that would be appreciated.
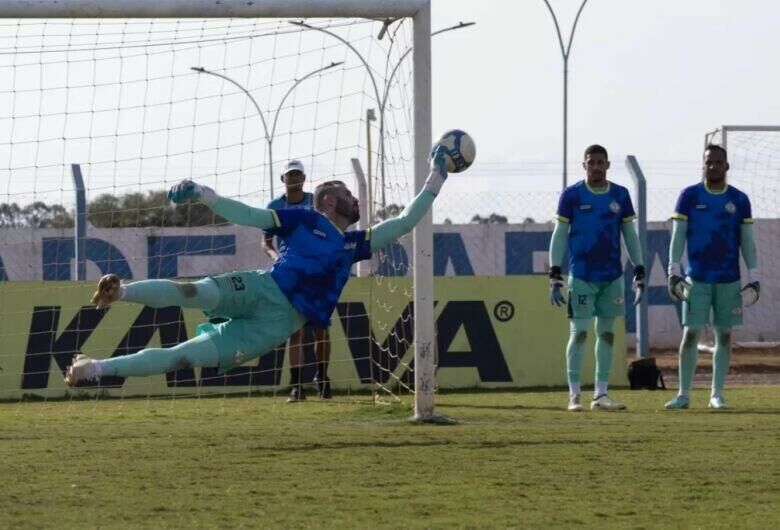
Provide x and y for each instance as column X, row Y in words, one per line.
column 736, row 311
column 731, row 207
column 614, row 206
column 619, row 300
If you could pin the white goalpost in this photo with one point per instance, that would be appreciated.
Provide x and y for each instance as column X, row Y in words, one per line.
column 116, row 93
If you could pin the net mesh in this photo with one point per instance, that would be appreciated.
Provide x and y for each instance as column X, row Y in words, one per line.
column 139, row 105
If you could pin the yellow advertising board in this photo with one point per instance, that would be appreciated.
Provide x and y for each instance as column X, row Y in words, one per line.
column 492, row 332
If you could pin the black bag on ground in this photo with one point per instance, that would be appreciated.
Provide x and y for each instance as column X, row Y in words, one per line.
column 643, row 374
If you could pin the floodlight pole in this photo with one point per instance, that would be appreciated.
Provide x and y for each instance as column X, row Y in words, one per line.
column 269, row 135
column 565, row 51
column 382, row 101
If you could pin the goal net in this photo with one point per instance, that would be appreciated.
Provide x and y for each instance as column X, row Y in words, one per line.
column 134, row 105
column 754, row 159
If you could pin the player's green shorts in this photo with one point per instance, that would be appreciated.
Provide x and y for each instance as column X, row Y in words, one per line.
column 721, row 300
column 260, row 317
column 596, row 299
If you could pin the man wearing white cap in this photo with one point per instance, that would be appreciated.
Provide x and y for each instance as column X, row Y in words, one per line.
column 293, row 175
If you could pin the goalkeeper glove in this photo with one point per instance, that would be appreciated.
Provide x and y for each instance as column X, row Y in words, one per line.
column 438, row 172
column 678, row 287
column 752, row 291
column 638, row 284
column 187, row 190
column 556, row 284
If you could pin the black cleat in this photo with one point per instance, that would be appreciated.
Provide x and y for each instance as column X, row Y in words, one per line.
column 323, row 386
column 296, row 395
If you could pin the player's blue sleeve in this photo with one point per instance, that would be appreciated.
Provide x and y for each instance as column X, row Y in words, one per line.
column 746, row 210
column 389, row 230
column 627, row 209
column 239, row 213
column 362, row 240
column 683, row 208
column 288, row 219
column 565, row 210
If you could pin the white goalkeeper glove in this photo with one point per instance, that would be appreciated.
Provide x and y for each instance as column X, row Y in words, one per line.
column 638, row 285
column 438, row 173
column 678, row 287
column 187, row 190
column 752, row 291
column 556, row 286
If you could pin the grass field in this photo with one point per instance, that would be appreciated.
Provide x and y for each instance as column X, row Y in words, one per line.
column 514, row 460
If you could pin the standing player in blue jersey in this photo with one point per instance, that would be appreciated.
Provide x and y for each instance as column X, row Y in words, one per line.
column 263, row 308
column 293, row 176
column 716, row 222
column 592, row 215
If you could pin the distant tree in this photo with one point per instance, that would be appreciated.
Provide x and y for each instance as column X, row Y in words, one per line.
column 492, row 219
column 389, row 211
column 529, row 220
column 35, row 215
column 147, row 209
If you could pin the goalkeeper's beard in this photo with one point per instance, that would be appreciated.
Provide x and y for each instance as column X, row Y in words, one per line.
column 349, row 210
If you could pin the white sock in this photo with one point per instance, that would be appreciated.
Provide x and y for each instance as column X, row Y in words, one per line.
column 574, row 389
column 717, row 393
column 601, row 388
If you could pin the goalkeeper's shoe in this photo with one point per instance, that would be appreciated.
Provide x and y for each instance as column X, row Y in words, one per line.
column 108, row 291
column 575, row 403
column 604, row 402
column 82, row 369
column 323, row 386
column 717, row 403
column 678, row 402
column 296, row 395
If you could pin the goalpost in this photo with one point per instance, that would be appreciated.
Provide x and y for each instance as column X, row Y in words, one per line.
column 754, row 160
column 90, row 77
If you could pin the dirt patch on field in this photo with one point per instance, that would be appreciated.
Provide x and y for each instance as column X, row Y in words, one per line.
column 749, row 366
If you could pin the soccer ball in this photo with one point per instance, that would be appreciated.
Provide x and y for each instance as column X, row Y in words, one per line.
column 460, row 150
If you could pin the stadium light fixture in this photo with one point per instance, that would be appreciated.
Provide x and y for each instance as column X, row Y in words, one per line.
column 269, row 134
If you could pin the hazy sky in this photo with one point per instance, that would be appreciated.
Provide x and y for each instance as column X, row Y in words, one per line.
column 645, row 78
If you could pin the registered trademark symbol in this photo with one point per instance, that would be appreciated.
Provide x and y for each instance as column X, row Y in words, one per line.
column 504, row 310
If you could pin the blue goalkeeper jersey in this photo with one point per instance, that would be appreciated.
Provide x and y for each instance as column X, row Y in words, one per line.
column 595, row 219
column 314, row 267
column 280, row 203
column 714, row 231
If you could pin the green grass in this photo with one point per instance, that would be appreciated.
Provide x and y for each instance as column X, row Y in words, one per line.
column 515, row 459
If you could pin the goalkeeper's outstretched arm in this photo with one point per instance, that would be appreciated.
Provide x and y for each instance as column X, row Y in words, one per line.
column 384, row 233
column 234, row 212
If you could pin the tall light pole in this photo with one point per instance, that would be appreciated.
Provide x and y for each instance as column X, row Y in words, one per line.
column 269, row 134
column 381, row 100
column 565, row 51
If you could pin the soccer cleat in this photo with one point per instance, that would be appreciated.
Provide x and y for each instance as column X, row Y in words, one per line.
column 677, row 402
column 107, row 291
column 296, row 395
column 717, row 403
column 604, row 402
column 575, row 403
column 323, row 386
column 82, row 369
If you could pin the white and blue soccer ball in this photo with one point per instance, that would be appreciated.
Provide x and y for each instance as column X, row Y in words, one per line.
column 459, row 148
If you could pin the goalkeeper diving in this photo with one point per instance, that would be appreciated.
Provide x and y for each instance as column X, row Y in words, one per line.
column 262, row 308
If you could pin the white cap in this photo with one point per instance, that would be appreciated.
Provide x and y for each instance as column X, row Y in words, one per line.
column 293, row 165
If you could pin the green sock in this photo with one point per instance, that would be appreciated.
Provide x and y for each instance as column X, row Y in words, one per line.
column 198, row 351
column 605, row 338
column 689, row 350
column 575, row 352
column 721, row 358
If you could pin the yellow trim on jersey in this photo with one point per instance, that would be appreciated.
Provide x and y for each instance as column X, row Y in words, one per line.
column 629, row 218
column 277, row 222
column 368, row 233
column 715, row 192
column 747, row 221
column 334, row 226
column 597, row 191
column 563, row 219
column 679, row 216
